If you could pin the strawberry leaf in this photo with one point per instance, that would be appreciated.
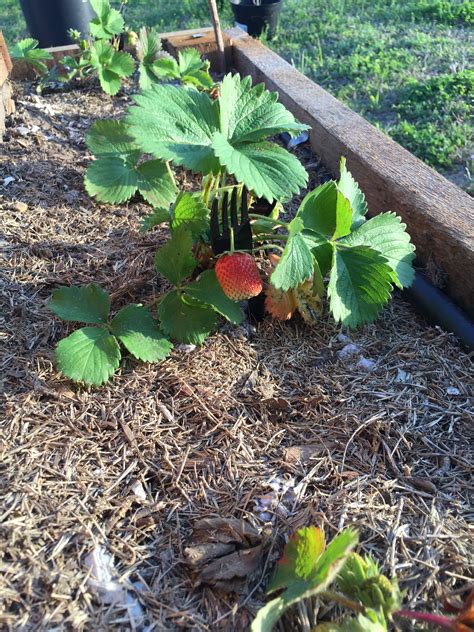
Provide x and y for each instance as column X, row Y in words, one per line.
column 326, row 211
column 137, row 330
column 107, row 23
column 350, row 190
column 296, row 263
column 207, row 290
column 157, row 217
column 117, row 173
column 186, row 322
column 27, row 50
column 264, row 167
column 386, row 233
column 187, row 127
column 176, row 124
column 175, row 259
column 251, row 114
column 305, row 570
column 359, row 285
column 190, row 212
column 299, row 559
column 90, row 355
column 87, row 304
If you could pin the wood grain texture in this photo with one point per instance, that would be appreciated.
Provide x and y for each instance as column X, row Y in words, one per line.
column 205, row 45
column 439, row 215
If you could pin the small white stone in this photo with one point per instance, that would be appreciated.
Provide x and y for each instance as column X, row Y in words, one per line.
column 8, row 180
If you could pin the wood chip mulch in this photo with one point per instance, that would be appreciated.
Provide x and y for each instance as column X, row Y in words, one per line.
column 274, row 426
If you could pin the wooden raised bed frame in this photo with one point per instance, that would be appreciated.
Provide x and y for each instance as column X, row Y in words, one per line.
column 439, row 215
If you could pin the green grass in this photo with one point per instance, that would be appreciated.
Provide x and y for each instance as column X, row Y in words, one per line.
column 404, row 65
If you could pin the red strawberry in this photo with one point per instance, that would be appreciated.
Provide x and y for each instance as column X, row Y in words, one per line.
column 238, row 276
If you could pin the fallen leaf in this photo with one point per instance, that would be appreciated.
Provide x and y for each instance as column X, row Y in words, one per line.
column 225, row 552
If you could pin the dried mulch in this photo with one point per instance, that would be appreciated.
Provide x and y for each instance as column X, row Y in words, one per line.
column 267, row 423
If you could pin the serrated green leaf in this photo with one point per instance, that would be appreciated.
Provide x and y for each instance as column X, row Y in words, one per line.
column 86, row 304
column 321, row 249
column 190, row 129
column 326, row 211
column 110, row 179
column 176, row 124
column 306, row 578
column 90, row 355
column 387, row 234
column 299, row 559
column 184, row 322
column 137, row 330
column 193, row 70
column 158, row 216
column 190, row 212
column 155, row 182
column 117, row 173
column 110, row 138
column 109, row 81
column 251, row 114
column 148, row 49
column 296, row 265
column 175, row 260
column 109, row 22
column 207, row 290
column 264, row 167
column 359, row 285
column 28, row 51
column 165, row 67
column 121, row 64
column 189, row 61
column 350, row 189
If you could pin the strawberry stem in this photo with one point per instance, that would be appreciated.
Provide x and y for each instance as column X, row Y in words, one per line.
column 271, row 247
column 232, row 244
column 427, row 617
column 275, row 222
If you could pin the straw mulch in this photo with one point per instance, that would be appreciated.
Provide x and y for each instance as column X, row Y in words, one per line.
column 265, row 423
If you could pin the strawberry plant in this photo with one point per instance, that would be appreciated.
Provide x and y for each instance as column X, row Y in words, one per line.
column 156, row 65
column 27, row 50
column 334, row 573
column 328, row 248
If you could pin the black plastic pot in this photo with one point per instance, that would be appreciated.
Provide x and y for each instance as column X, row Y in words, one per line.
column 49, row 20
column 256, row 18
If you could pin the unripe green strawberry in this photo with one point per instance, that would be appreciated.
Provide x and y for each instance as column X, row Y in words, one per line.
column 238, row 276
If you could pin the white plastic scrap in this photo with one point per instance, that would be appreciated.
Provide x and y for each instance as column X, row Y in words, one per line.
column 25, row 131
column 8, row 180
column 402, row 376
column 365, row 364
column 284, row 493
column 102, row 581
column 452, row 390
column 351, row 355
column 348, row 351
column 139, row 491
column 102, row 571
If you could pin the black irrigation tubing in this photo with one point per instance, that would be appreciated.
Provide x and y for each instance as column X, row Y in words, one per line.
column 440, row 310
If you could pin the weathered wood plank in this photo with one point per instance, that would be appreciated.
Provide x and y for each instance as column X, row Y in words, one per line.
column 439, row 215
column 202, row 40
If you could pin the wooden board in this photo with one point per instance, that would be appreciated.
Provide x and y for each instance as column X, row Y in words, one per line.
column 203, row 40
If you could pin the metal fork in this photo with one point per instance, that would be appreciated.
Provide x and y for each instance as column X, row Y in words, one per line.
column 220, row 227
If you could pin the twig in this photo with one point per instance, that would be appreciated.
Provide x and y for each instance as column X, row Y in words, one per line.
column 218, row 33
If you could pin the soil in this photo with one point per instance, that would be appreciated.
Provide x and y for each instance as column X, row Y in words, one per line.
column 268, row 423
